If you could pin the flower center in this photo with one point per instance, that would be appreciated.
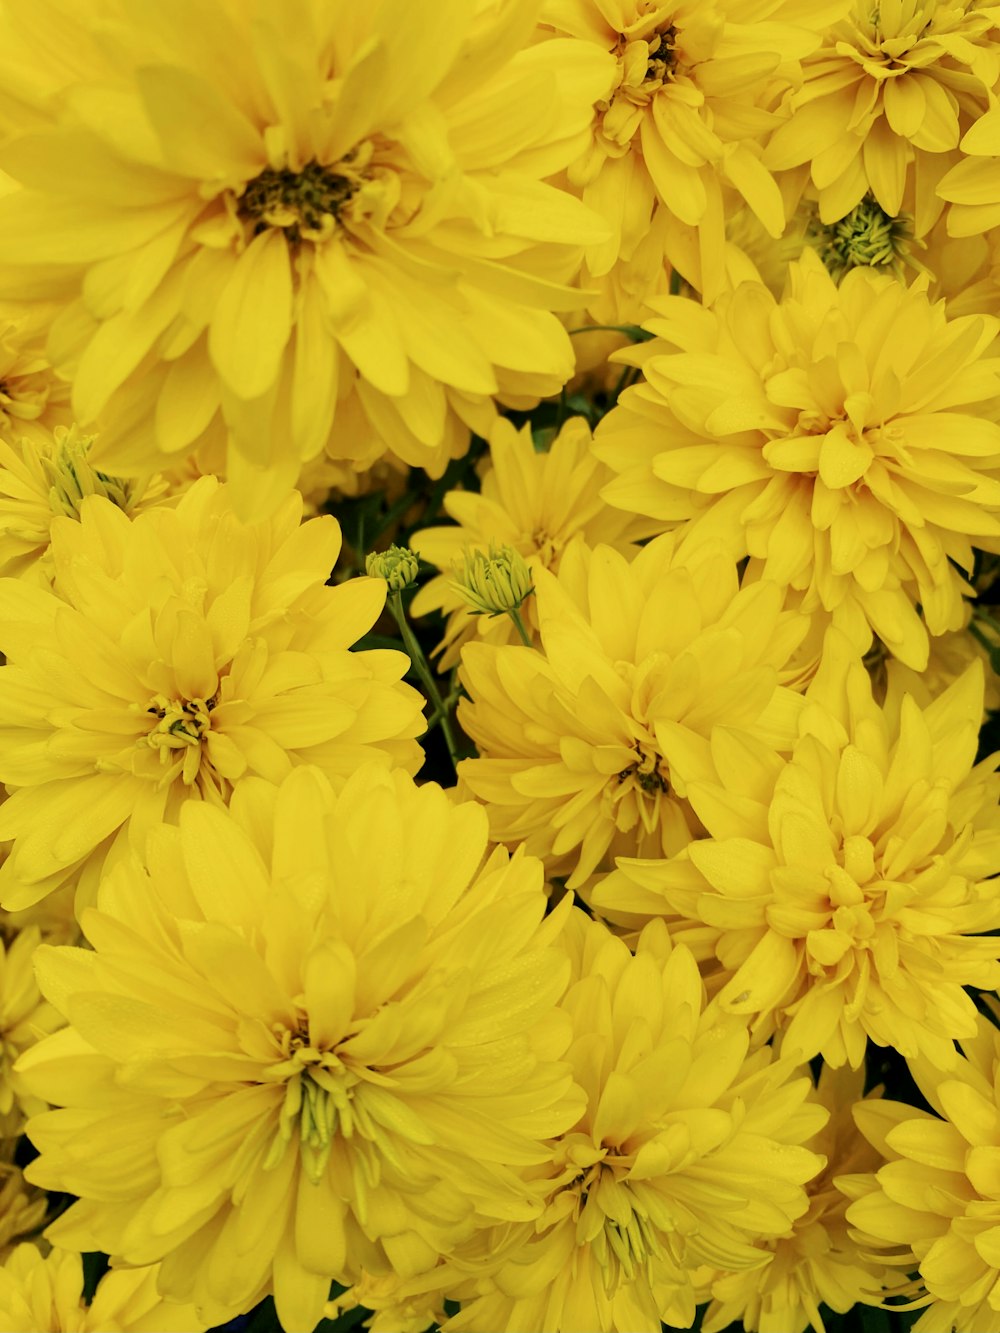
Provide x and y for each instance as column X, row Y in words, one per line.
column 647, row 773
column 318, row 1102
column 181, row 725
column 866, row 237
column 625, row 1245
column 305, row 204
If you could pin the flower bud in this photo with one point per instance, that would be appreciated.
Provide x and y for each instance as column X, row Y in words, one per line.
column 73, row 478
column 398, row 566
column 493, row 583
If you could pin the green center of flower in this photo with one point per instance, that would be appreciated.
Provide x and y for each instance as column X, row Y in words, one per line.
column 181, row 725
column 866, row 237
column 305, row 204
column 318, row 1102
column 615, row 1222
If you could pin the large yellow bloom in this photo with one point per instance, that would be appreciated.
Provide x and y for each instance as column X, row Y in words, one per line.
column 344, row 243
column 682, row 120
column 935, row 1204
column 180, row 651
column 319, row 1035
column 688, row 1157
column 45, row 1291
column 535, row 501
column 849, row 884
column 843, row 437
column 587, row 746
column 885, row 101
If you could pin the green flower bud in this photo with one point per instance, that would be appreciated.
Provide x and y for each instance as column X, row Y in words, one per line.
column 866, row 237
column 72, row 478
column 493, row 583
column 398, row 566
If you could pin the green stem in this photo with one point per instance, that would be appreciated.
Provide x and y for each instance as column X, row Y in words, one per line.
column 632, row 331
column 980, row 614
column 675, row 283
column 515, row 615
column 420, row 665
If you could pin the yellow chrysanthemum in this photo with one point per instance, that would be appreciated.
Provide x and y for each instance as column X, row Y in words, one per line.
column 22, row 1206
column 935, row 1205
column 24, row 1019
column 346, row 243
column 41, row 479
column 533, row 501
column 843, row 438
column 689, row 1156
column 33, row 401
column 45, row 1291
column 180, row 651
column 319, row 1035
column 885, row 101
column 587, row 746
column 682, row 120
column 817, row 1263
column 850, row 882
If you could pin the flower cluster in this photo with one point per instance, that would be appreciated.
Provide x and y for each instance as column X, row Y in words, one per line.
column 499, row 666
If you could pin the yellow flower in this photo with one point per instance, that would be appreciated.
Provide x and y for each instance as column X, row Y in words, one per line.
column 849, row 884
column 816, row 1263
column 535, row 501
column 24, row 1019
column 43, row 478
column 22, row 1206
column 936, row 1203
column 689, row 1155
column 885, row 101
column 33, row 401
column 682, row 120
column 180, row 651
column 588, row 745
column 45, row 1291
column 318, row 1035
column 842, row 438
column 346, row 243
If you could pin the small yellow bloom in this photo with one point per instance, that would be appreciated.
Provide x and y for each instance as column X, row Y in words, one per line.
column 33, row 400
column 22, row 1206
column 24, row 1019
column 44, row 477
column 45, row 1291
column 178, row 652
column 935, row 1204
column 317, row 1037
column 534, row 501
column 851, row 885
column 844, row 437
column 588, row 746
